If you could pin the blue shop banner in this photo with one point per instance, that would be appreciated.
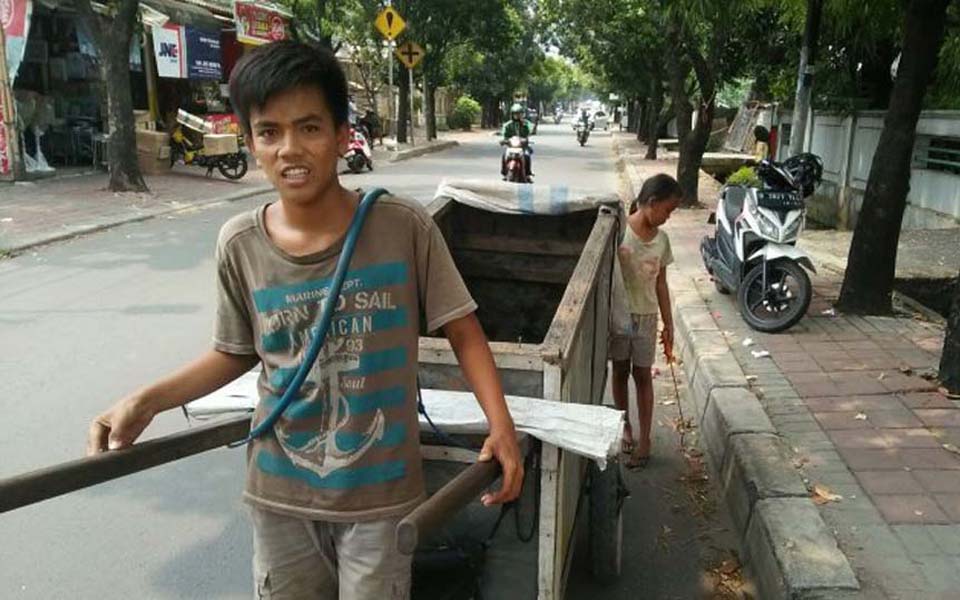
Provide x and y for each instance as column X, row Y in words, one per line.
column 203, row 54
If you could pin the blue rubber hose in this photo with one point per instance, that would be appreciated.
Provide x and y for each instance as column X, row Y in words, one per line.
column 326, row 316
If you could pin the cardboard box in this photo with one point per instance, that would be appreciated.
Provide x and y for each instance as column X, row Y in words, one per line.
column 150, row 142
column 142, row 120
column 151, row 164
column 220, row 143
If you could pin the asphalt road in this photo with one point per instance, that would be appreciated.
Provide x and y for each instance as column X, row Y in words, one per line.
column 86, row 321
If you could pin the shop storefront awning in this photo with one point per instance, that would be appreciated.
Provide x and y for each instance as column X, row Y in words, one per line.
column 182, row 13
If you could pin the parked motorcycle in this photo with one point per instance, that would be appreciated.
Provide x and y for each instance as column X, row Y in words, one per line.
column 514, row 159
column 753, row 251
column 227, row 157
column 358, row 154
column 583, row 132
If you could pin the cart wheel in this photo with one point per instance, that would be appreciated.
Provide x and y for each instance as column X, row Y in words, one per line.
column 607, row 493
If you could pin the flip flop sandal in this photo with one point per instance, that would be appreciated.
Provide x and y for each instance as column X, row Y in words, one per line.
column 626, row 446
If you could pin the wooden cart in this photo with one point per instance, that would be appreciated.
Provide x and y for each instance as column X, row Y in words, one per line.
column 543, row 284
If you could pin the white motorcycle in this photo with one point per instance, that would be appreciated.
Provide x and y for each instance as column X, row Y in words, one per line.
column 753, row 251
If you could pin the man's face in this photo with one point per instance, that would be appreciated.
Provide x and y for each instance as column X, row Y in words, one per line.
column 297, row 144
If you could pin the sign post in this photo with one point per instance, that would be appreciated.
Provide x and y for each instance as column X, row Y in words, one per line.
column 390, row 24
column 410, row 54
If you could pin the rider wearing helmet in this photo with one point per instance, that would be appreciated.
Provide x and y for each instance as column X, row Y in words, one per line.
column 517, row 126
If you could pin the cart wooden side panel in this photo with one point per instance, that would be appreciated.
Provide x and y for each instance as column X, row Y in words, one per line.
column 511, row 260
column 579, row 332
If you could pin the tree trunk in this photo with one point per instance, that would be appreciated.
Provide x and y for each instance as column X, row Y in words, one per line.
column 652, row 125
column 430, row 108
column 404, row 113
column 643, row 107
column 808, row 56
column 633, row 115
column 950, row 359
column 688, row 165
column 113, row 47
column 871, row 264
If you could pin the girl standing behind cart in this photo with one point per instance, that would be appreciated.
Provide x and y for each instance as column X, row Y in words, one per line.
column 644, row 255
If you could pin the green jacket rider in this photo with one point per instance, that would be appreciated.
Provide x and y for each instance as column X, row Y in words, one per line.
column 517, row 126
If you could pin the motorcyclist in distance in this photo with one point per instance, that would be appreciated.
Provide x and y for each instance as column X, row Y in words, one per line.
column 522, row 128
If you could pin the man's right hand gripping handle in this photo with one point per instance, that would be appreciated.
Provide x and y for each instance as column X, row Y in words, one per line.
column 118, row 427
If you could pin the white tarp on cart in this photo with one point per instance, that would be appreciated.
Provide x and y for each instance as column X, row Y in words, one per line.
column 514, row 198
column 588, row 430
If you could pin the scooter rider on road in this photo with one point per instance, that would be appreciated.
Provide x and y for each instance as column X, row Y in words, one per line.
column 520, row 127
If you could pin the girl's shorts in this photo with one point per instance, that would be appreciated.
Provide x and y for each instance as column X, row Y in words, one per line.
column 640, row 345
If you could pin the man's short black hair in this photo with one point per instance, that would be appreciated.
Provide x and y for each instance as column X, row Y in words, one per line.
column 280, row 66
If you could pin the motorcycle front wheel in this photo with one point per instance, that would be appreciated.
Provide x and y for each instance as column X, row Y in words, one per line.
column 779, row 305
column 233, row 167
column 356, row 162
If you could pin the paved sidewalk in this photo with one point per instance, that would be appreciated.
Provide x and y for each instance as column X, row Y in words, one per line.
column 35, row 213
column 852, row 400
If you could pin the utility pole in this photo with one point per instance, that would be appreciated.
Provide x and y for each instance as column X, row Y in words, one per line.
column 413, row 88
column 808, row 57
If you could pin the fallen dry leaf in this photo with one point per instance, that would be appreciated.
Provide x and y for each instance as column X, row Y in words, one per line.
column 822, row 495
column 881, row 376
column 860, row 416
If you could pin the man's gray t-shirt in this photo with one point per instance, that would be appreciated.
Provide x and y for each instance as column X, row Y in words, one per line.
column 347, row 448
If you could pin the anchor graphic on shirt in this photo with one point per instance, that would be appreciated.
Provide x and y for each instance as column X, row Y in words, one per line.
column 321, row 454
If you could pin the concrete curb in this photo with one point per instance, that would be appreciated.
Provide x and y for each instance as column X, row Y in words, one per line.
column 44, row 239
column 787, row 547
column 421, row 150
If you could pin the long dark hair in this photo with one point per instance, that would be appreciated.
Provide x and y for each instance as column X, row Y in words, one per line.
column 659, row 188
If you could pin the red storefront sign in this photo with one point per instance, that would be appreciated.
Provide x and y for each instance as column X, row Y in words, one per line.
column 13, row 17
column 257, row 24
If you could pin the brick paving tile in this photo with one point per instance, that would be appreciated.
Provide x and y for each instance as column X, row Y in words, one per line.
column 939, row 417
column 909, row 508
column 929, row 458
column 947, row 435
column 926, row 400
column 840, row 420
column 873, row 459
column 909, row 438
column 898, row 382
column 888, row 482
column 865, row 404
column 806, row 390
column 817, row 347
column 854, row 384
column 861, row 345
column 950, row 503
column 799, row 366
column 892, row 419
column 859, row 438
column 939, row 481
column 803, row 378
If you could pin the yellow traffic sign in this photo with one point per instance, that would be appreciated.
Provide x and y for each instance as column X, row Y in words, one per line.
column 410, row 54
column 390, row 23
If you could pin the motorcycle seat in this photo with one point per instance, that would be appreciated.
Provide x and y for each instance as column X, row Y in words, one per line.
column 733, row 198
